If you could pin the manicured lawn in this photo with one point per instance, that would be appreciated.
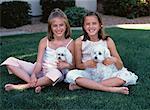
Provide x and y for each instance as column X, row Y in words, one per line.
column 134, row 49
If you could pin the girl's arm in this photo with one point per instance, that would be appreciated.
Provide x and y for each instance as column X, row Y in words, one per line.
column 78, row 56
column 41, row 50
column 115, row 56
column 72, row 50
column 38, row 66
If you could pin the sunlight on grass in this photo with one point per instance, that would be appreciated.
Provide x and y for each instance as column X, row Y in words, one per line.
column 134, row 26
column 28, row 55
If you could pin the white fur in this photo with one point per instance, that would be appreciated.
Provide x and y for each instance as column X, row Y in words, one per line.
column 64, row 54
column 99, row 54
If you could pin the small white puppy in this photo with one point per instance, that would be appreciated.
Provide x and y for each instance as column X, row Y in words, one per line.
column 61, row 53
column 99, row 54
column 64, row 54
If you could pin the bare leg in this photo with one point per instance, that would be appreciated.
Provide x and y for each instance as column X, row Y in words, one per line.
column 9, row 87
column 87, row 83
column 42, row 82
column 113, row 82
column 22, row 75
column 19, row 73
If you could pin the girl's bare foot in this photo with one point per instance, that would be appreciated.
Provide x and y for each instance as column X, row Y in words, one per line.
column 38, row 89
column 123, row 90
column 9, row 87
column 74, row 87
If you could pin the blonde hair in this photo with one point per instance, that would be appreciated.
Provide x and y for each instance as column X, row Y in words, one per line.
column 54, row 14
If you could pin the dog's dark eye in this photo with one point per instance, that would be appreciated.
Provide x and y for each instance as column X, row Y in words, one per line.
column 62, row 54
column 58, row 53
column 99, row 53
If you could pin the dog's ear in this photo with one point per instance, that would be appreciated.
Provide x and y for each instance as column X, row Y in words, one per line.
column 106, row 53
column 68, row 56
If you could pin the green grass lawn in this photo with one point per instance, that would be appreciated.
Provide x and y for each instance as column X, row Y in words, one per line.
column 134, row 49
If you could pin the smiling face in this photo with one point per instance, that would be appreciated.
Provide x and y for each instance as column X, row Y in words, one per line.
column 58, row 27
column 92, row 25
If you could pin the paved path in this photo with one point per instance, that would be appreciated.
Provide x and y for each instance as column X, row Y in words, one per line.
column 108, row 21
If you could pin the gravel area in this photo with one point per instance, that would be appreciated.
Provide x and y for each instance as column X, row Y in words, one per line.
column 37, row 26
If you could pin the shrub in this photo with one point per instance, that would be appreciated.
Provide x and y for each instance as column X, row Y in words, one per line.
column 75, row 15
column 126, row 8
column 15, row 14
column 143, row 9
column 49, row 5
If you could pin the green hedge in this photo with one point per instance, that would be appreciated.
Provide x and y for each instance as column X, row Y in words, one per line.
column 126, row 8
column 15, row 14
column 75, row 15
column 49, row 5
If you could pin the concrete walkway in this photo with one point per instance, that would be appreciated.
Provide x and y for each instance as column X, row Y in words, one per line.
column 108, row 21
column 125, row 26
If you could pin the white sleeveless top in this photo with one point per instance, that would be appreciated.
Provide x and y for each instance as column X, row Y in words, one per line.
column 87, row 48
column 50, row 56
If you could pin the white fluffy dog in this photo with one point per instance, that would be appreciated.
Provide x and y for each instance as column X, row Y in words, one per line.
column 99, row 54
column 62, row 53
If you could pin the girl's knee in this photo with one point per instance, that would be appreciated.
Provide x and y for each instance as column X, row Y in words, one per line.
column 10, row 61
column 78, row 80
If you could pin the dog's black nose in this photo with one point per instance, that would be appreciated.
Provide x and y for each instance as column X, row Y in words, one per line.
column 59, row 58
column 95, row 57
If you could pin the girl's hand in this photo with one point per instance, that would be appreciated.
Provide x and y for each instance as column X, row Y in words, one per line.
column 62, row 64
column 90, row 64
column 33, row 80
column 109, row 61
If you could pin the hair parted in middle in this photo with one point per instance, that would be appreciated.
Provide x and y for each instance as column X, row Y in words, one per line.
column 54, row 14
column 101, row 34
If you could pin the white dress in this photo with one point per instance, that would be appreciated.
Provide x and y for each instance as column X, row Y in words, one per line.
column 53, row 73
column 129, row 77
